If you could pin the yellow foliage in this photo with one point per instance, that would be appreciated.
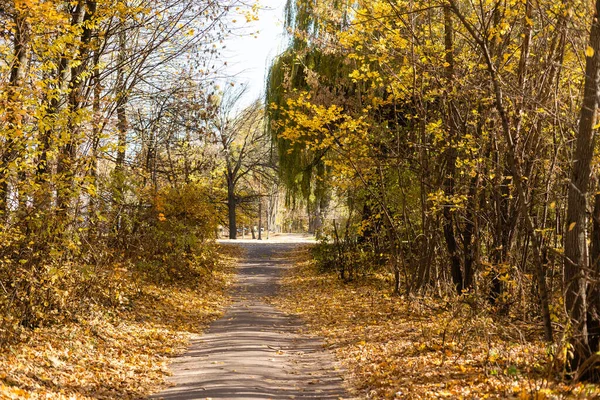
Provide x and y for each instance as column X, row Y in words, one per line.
column 420, row 348
column 122, row 353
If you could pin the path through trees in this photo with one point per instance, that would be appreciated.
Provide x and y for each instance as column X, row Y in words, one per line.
column 255, row 350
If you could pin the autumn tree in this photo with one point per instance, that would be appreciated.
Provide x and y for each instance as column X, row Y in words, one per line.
column 448, row 124
column 244, row 148
column 81, row 184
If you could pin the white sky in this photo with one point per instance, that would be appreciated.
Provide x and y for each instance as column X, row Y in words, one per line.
column 248, row 58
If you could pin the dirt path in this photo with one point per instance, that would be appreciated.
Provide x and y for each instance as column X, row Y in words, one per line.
column 255, row 351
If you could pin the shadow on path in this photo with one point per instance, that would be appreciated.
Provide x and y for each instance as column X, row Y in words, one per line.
column 255, row 351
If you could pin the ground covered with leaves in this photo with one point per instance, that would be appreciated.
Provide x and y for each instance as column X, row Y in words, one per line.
column 116, row 352
column 422, row 348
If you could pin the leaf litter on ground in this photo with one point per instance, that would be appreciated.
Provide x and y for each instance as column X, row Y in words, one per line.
column 422, row 348
column 115, row 354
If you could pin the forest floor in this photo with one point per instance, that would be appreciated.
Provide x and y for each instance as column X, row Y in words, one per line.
column 267, row 342
column 398, row 348
column 256, row 351
column 115, row 353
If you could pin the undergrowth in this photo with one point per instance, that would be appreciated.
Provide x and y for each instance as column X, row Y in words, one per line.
column 424, row 347
column 112, row 337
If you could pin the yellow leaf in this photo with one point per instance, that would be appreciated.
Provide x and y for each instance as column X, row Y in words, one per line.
column 91, row 189
column 589, row 52
column 572, row 225
column 524, row 395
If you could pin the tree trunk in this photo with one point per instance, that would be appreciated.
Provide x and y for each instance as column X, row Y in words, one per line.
column 504, row 225
column 81, row 15
column 506, row 216
column 122, row 123
column 593, row 312
column 231, row 205
column 259, row 218
column 469, row 254
column 13, row 108
column 577, row 280
column 97, row 116
column 450, row 159
column 515, row 167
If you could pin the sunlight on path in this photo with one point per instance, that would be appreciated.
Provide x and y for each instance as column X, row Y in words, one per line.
column 256, row 351
column 274, row 238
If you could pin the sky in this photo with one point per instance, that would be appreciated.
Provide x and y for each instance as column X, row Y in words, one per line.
column 248, row 57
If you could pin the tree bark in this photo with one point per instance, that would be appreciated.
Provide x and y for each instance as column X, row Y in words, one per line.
column 593, row 314
column 259, row 217
column 450, row 159
column 515, row 167
column 231, row 206
column 81, row 15
column 577, row 280
column 14, row 102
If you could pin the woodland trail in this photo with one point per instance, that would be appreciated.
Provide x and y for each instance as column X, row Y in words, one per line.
column 256, row 351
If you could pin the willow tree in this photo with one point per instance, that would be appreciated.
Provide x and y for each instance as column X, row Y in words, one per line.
column 463, row 112
column 307, row 65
